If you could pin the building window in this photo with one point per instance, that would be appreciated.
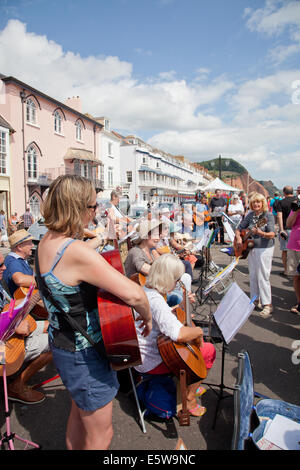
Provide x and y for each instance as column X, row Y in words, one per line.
column 129, row 176
column 109, row 149
column 110, row 177
column 31, row 114
column 78, row 130
column 32, row 167
column 85, row 169
column 57, row 122
column 107, row 125
column 3, row 153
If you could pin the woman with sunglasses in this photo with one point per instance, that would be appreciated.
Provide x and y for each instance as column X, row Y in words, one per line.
column 72, row 272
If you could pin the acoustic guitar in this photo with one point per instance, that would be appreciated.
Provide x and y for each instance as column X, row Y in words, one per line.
column 117, row 323
column 139, row 278
column 15, row 346
column 183, row 356
column 37, row 310
column 243, row 250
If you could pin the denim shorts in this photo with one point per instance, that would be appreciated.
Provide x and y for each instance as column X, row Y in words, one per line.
column 87, row 376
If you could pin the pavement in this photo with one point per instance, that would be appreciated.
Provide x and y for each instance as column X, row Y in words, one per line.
column 270, row 343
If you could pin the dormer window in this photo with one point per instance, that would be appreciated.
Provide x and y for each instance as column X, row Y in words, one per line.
column 31, row 114
column 107, row 124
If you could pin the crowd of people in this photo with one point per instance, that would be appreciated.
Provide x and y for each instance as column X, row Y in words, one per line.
column 163, row 248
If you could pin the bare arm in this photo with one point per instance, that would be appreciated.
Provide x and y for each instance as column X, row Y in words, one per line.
column 23, row 280
column 292, row 219
column 81, row 263
column 190, row 333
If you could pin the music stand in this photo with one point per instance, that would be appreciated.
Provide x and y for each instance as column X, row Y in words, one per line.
column 232, row 312
column 9, row 320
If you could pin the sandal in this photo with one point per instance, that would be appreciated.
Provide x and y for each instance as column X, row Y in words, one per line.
column 198, row 411
column 200, row 391
column 295, row 309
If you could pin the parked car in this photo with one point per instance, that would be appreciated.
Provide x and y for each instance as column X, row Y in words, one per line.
column 137, row 211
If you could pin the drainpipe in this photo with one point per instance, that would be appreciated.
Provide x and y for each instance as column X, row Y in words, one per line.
column 23, row 99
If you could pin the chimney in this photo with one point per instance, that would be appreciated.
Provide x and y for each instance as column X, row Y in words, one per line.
column 75, row 103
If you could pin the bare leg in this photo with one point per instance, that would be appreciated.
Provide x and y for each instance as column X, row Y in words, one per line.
column 89, row 430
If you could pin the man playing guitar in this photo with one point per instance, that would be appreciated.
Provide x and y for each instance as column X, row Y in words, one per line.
column 37, row 353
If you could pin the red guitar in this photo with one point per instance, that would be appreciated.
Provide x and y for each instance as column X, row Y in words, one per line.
column 117, row 323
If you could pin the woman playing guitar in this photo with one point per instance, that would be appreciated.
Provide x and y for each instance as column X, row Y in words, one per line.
column 162, row 278
column 71, row 275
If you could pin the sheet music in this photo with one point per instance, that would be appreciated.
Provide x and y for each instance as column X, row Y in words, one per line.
column 233, row 311
column 284, row 433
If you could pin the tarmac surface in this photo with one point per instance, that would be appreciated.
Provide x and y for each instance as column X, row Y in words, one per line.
column 270, row 343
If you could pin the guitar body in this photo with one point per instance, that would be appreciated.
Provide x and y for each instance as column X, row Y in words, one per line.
column 198, row 220
column 182, row 356
column 15, row 350
column 179, row 356
column 247, row 243
column 243, row 250
column 139, row 279
column 117, row 324
column 39, row 312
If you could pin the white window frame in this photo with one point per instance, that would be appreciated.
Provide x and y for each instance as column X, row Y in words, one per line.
column 31, row 112
column 32, row 163
column 110, row 176
column 57, row 123
column 4, row 145
column 85, row 169
column 78, row 131
column 129, row 176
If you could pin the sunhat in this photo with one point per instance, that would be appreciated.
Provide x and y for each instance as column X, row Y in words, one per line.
column 18, row 237
column 145, row 227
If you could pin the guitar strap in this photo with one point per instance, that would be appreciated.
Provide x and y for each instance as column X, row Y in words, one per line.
column 45, row 291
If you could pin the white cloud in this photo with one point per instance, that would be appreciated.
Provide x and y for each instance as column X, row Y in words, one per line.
column 275, row 18
column 260, row 127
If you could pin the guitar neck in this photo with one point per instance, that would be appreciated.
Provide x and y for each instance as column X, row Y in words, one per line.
column 187, row 310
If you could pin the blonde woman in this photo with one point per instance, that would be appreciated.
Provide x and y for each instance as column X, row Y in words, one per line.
column 72, row 272
column 260, row 257
column 162, row 278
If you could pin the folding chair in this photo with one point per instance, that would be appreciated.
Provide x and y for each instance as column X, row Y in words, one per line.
column 249, row 419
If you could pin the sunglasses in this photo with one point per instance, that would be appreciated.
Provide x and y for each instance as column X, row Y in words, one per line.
column 2, row 264
column 93, row 207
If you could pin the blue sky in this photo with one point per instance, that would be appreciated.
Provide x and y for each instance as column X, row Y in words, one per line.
column 196, row 78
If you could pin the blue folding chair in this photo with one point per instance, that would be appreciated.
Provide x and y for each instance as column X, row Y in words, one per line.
column 248, row 427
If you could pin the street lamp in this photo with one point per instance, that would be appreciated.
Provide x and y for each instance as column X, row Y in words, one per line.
column 227, row 162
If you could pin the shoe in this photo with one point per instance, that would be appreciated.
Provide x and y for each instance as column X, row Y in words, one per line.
column 198, row 411
column 258, row 305
column 295, row 309
column 283, row 274
column 266, row 311
column 25, row 394
column 200, row 391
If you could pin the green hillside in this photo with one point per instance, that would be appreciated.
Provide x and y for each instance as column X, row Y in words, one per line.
column 227, row 165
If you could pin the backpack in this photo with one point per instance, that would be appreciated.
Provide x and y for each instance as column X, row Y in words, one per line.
column 158, row 395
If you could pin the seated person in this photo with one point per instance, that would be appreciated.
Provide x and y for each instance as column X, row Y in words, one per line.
column 18, row 272
column 142, row 255
column 163, row 275
column 37, row 354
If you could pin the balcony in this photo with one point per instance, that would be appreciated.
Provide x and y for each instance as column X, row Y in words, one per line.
column 50, row 174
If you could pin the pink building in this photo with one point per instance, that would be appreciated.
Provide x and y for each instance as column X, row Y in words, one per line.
column 50, row 138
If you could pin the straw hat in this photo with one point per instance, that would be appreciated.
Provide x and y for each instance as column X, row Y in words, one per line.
column 18, row 237
column 145, row 227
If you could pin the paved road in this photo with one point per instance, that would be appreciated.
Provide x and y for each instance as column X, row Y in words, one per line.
column 268, row 341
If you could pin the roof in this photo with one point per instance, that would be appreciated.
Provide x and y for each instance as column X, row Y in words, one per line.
column 218, row 184
column 49, row 98
column 4, row 123
column 81, row 154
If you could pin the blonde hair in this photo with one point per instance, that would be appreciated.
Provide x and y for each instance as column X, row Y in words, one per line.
column 260, row 198
column 66, row 203
column 164, row 273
